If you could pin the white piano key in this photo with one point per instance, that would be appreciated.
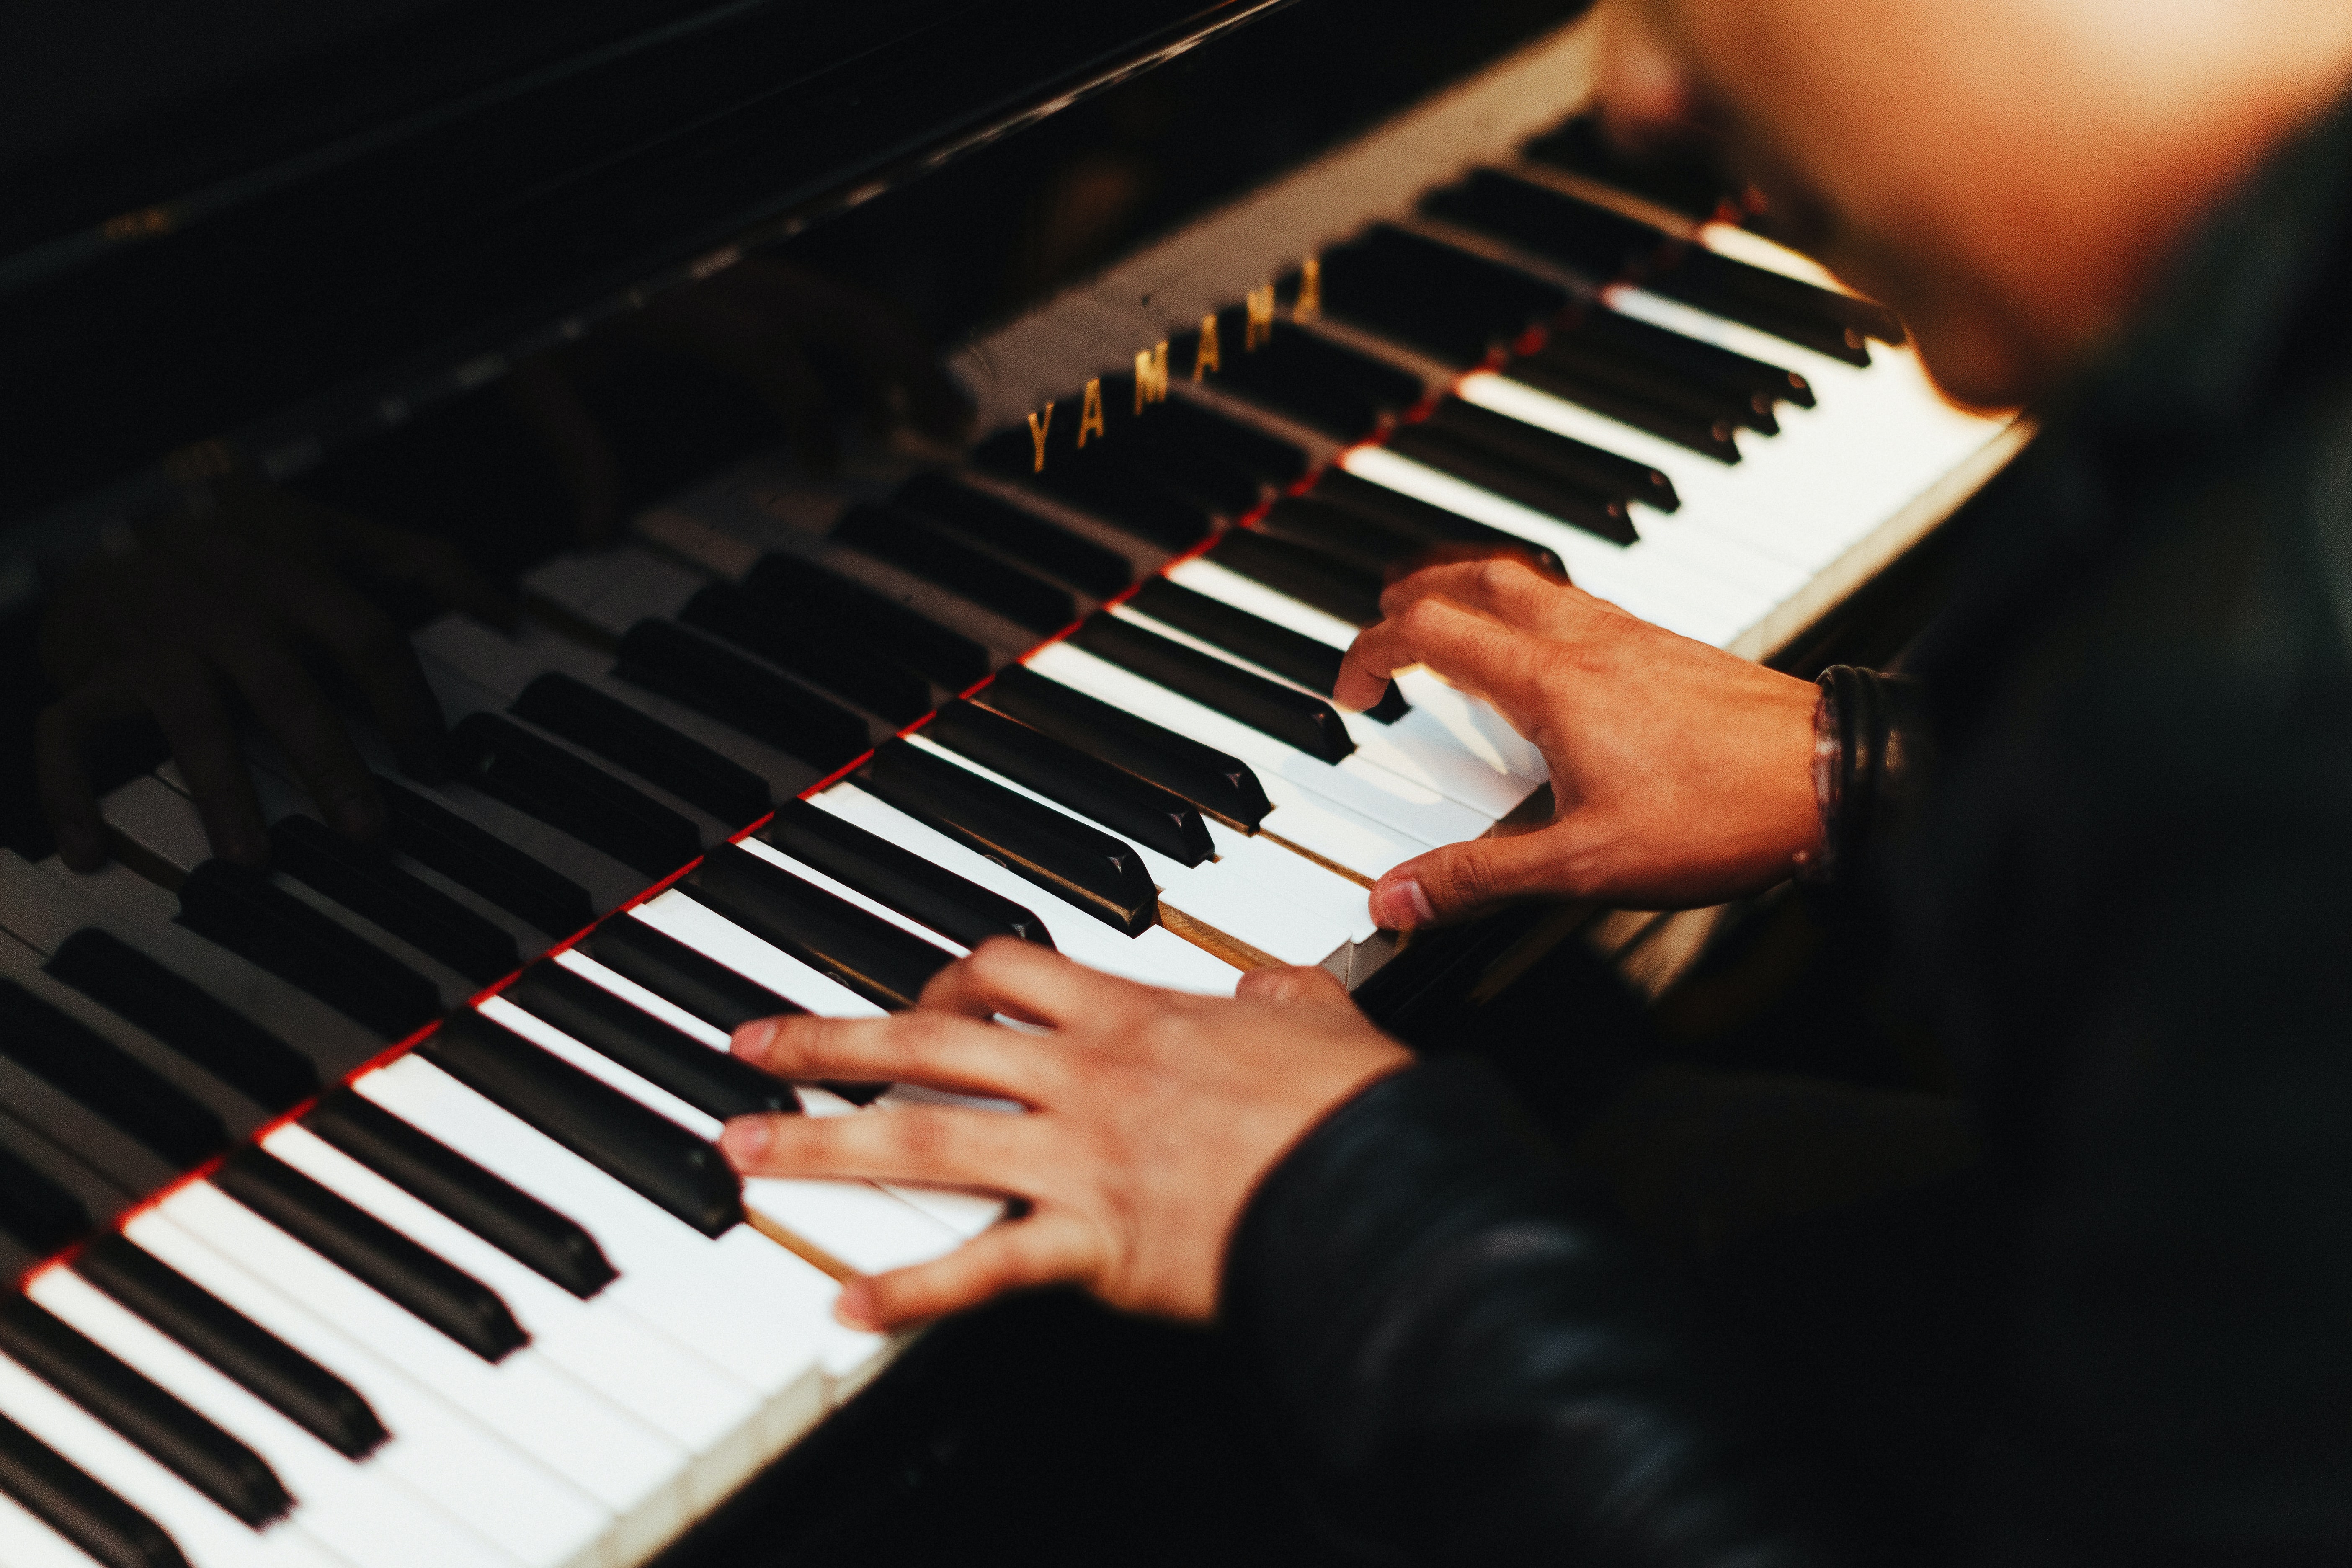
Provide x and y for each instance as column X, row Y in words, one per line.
column 597, row 1342
column 763, row 1322
column 715, row 936
column 1430, row 758
column 1324, row 827
column 505, row 1497
column 1250, row 912
column 1158, row 957
column 856, row 1221
column 1317, row 889
column 1363, row 788
column 207, row 1536
column 631, row 1470
column 27, row 1543
column 359, row 1511
column 638, row 996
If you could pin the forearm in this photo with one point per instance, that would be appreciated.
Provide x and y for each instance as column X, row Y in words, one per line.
column 1467, row 1366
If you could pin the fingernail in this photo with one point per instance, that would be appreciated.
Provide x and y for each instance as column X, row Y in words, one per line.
column 1398, row 904
column 854, row 1309
column 745, row 1140
column 751, row 1041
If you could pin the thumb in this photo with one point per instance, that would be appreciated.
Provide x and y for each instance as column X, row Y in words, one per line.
column 1464, row 879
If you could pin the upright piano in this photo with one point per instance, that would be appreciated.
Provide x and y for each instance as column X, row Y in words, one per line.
column 362, row 1209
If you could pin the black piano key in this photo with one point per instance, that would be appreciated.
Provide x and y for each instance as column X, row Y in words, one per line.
column 1706, row 363
column 243, row 1351
column 827, row 606
column 1219, row 784
column 1690, row 186
column 1133, row 808
column 883, row 871
column 1331, row 584
column 479, row 860
column 35, row 1212
column 1137, row 500
column 58, row 1493
column 155, row 1419
column 107, row 1079
column 1428, row 526
column 686, row 979
column 1438, row 297
column 711, row 1081
column 485, row 1203
column 644, row 1150
column 1180, row 425
column 1819, row 318
column 712, row 678
column 430, row 1287
column 1290, row 654
column 1343, row 393
column 1364, row 544
column 1450, row 452
column 1560, row 376
column 1018, row 533
column 186, row 1017
column 923, row 549
column 882, row 963
column 598, row 722
column 240, row 910
column 1155, row 454
column 1310, row 723
column 1083, row 865
column 1668, row 387
column 1599, row 244
column 851, row 670
column 542, row 779
column 363, row 879
column 1549, row 452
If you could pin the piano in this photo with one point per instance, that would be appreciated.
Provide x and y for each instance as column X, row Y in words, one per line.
column 364, row 1210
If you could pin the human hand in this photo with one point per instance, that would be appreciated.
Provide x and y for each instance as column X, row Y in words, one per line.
column 200, row 616
column 1682, row 775
column 1152, row 1117
column 808, row 347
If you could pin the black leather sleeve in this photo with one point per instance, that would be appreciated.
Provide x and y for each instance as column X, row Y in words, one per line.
column 1467, row 1369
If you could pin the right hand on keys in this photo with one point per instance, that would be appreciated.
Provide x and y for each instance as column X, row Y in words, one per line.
column 1682, row 775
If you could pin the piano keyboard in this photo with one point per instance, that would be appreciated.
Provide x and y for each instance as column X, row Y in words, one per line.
column 366, row 1209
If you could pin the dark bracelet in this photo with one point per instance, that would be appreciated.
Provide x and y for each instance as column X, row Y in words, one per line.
column 1862, row 764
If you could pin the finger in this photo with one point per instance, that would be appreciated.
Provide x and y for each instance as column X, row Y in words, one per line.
column 1044, row 1250
column 197, row 726
column 434, row 565
column 291, row 707
column 62, row 737
column 1022, row 980
column 1451, row 554
column 1463, row 880
column 946, row 1146
column 1509, row 587
column 1303, row 985
column 373, row 653
column 1473, row 652
column 934, row 1048
column 552, row 406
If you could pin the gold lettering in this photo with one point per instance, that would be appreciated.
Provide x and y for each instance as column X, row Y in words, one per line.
column 1310, row 304
column 1090, row 415
column 1204, row 358
column 1261, row 318
column 1151, row 375
column 1037, row 428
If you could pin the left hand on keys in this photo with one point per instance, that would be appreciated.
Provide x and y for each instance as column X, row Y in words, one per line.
column 1152, row 1117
